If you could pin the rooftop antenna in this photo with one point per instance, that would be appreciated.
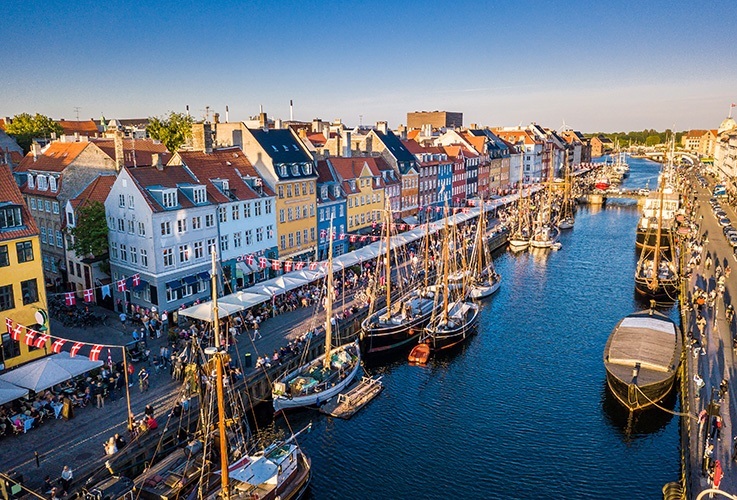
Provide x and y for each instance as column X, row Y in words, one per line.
column 77, row 108
column 187, row 110
column 207, row 113
column 291, row 111
column 260, row 108
column 360, row 121
column 730, row 110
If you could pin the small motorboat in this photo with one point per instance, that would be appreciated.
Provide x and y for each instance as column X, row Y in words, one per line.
column 419, row 354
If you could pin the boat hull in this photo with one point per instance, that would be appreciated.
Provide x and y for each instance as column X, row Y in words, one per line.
column 482, row 291
column 566, row 224
column 665, row 291
column 649, row 238
column 446, row 340
column 635, row 397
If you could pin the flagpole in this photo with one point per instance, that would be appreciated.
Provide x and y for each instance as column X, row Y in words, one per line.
column 127, row 391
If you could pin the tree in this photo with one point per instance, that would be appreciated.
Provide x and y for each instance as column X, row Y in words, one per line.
column 90, row 231
column 24, row 128
column 172, row 130
column 652, row 140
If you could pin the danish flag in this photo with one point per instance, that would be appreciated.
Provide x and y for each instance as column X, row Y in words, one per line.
column 70, row 299
column 136, row 279
column 95, row 353
column 342, row 236
column 263, row 262
column 89, row 295
column 30, row 337
column 9, row 324
column 41, row 340
column 313, row 266
column 288, row 266
column 323, row 233
column 352, row 238
column 299, row 265
column 249, row 259
column 57, row 345
column 75, row 348
column 122, row 287
column 275, row 265
column 374, row 238
column 466, row 210
column 17, row 330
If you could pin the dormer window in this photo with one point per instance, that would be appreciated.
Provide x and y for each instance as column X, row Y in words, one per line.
column 353, row 184
column 31, row 181
column 294, row 168
column 283, row 170
column 307, row 168
column 10, row 217
column 52, row 184
column 336, row 191
column 199, row 194
column 170, row 198
column 286, row 148
column 324, row 192
column 41, row 182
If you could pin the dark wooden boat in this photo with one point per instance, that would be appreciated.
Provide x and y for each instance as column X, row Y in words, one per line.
column 641, row 358
column 452, row 329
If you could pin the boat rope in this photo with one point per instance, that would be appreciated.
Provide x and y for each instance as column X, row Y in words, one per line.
column 672, row 412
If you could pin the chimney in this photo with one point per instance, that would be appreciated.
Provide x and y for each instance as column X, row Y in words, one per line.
column 156, row 161
column 347, row 144
column 277, row 123
column 316, row 125
column 326, row 132
column 76, row 136
column 53, row 135
column 291, row 111
column 216, row 118
column 227, row 114
column 338, row 145
column 119, row 158
column 36, row 150
column 382, row 127
column 208, row 137
column 302, row 133
column 369, row 144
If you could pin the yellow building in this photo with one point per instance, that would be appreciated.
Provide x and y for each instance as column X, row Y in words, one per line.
column 288, row 168
column 22, row 291
column 364, row 188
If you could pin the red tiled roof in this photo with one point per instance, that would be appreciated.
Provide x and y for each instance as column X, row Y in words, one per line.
column 168, row 177
column 9, row 192
column 140, row 150
column 317, row 139
column 82, row 127
column 55, row 158
column 383, row 166
column 98, row 190
column 2, row 124
column 414, row 147
column 350, row 168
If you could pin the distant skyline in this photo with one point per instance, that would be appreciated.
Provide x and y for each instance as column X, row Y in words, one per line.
column 598, row 66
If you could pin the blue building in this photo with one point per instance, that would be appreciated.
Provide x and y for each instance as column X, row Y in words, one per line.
column 331, row 204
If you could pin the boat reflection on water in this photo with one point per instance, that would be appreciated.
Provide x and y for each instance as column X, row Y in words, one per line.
column 640, row 424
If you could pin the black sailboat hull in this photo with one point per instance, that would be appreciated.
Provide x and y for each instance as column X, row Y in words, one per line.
column 384, row 342
column 638, row 397
column 664, row 291
column 449, row 339
column 643, row 238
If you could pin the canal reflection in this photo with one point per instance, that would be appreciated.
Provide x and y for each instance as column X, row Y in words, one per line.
column 636, row 425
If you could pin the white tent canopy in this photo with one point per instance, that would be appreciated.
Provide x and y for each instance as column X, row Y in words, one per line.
column 295, row 279
column 76, row 365
column 10, row 392
column 37, row 375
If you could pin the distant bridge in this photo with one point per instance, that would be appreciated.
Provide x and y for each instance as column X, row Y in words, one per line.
column 598, row 197
column 680, row 156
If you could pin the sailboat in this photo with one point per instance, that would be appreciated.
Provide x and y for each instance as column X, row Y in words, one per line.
column 397, row 325
column 545, row 233
column 656, row 275
column 483, row 279
column 567, row 217
column 520, row 237
column 456, row 320
column 319, row 380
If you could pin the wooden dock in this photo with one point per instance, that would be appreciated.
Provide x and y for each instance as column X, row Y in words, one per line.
column 346, row 405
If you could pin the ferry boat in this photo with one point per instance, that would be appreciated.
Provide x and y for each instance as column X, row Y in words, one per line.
column 641, row 359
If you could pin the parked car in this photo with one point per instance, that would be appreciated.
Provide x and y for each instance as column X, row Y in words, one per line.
column 724, row 221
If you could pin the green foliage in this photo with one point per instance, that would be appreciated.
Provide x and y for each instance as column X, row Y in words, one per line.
column 90, row 231
column 640, row 137
column 652, row 140
column 172, row 130
column 24, row 128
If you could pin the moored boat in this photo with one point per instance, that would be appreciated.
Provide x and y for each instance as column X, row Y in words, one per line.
column 641, row 359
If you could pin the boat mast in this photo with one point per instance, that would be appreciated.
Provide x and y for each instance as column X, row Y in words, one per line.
column 329, row 299
column 656, row 257
column 225, row 488
column 446, row 266
column 387, row 263
column 480, row 230
column 427, row 252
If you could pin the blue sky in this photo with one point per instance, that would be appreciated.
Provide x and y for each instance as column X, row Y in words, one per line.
column 596, row 65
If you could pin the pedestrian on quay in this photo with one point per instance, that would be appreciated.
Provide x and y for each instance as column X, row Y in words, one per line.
column 66, row 479
column 701, row 325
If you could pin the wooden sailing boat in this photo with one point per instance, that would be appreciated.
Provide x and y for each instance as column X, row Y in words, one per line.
column 319, row 380
column 483, row 279
column 656, row 274
column 456, row 320
column 520, row 237
column 396, row 327
column 567, row 218
column 545, row 233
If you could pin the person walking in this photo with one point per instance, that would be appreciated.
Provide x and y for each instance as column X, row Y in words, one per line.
column 143, row 380
column 66, row 479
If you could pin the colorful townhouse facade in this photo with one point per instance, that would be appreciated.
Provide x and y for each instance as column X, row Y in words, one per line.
column 331, row 212
column 363, row 185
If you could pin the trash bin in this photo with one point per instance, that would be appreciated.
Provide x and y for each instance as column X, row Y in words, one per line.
column 247, row 362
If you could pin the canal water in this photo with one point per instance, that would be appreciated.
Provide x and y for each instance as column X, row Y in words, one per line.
column 523, row 410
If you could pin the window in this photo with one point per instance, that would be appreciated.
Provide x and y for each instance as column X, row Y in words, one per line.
column 123, row 253
column 131, row 226
column 4, row 256
column 305, row 235
column 291, row 240
column 282, row 171
column 209, row 220
column 340, row 210
column 6, row 298
column 299, row 238
column 312, row 209
column 196, row 223
column 290, row 214
column 257, row 208
column 269, row 231
column 111, row 223
column 183, row 254
column 304, row 211
column 29, row 291
column 246, row 210
column 131, row 201
column 199, row 195
column 259, row 234
column 304, row 188
column 168, row 257
column 237, row 240
column 31, row 181
column 121, row 200
column 33, row 203
column 281, row 215
column 181, row 226
column 71, row 267
column 170, row 198
column 165, row 228
column 56, row 207
column 141, row 229
column 144, row 257
column 210, row 245
column 113, row 250
column 296, row 213
column 224, row 243
column 11, row 348
column 281, row 192
column 134, row 255
column 24, row 249
column 171, row 295
column 47, row 205
column 283, row 242
column 294, row 168
column 312, row 184
column 222, row 214
column 198, row 250
column 249, row 237
column 236, row 212
column 121, row 225
column 267, row 206
column 43, row 234
column 289, row 190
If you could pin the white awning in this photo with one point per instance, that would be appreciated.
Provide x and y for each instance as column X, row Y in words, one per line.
column 11, row 392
